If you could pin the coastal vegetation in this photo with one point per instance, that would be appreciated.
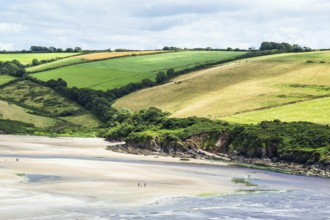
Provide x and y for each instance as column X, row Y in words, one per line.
column 35, row 106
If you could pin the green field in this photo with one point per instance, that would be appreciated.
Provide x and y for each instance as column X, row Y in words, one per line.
column 17, row 113
column 242, row 86
column 5, row 78
column 26, row 58
column 55, row 64
column 86, row 57
column 316, row 111
column 28, row 102
column 115, row 73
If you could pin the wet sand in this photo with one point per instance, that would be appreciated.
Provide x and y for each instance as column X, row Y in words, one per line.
column 64, row 176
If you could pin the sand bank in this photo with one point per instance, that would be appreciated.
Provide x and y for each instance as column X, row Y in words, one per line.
column 60, row 175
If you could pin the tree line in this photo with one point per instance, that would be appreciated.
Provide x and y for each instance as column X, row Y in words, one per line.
column 285, row 47
column 53, row 49
column 13, row 68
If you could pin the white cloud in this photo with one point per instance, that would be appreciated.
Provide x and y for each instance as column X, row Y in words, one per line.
column 11, row 28
column 6, row 46
column 146, row 24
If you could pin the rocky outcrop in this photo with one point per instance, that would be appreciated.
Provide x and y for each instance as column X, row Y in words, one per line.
column 223, row 142
column 301, row 157
column 155, row 147
column 222, row 146
column 2, row 132
column 317, row 169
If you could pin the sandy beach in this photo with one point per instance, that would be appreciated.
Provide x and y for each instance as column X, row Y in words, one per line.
column 43, row 176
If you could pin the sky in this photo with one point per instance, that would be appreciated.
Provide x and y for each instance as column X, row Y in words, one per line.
column 153, row 24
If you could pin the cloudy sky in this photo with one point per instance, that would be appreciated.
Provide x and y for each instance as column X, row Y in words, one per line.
column 149, row 24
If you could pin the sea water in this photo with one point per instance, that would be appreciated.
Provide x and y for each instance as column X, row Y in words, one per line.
column 282, row 197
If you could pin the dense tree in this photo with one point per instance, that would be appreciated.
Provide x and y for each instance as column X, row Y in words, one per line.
column 161, row 77
column 171, row 48
column 68, row 50
column 285, row 47
column 39, row 49
column 13, row 68
column 77, row 49
column 266, row 46
column 53, row 49
column 170, row 73
column 35, row 62
column 147, row 83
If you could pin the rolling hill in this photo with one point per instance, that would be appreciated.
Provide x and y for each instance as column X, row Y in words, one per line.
column 246, row 91
column 316, row 110
column 28, row 102
column 86, row 57
column 114, row 73
column 26, row 58
column 5, row 78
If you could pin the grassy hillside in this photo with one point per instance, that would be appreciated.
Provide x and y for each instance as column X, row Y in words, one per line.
column 31, row 103
column 114, row 73
column 317, row 111
column 244, row 86
column 17, row 113
column 84, row 58
column 5, row 78
column 26, row 58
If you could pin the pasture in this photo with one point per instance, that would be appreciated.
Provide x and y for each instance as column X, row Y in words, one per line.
column 17, row 113
column 86, row 57
column 114, row 73
column 242, row 86
column 26, row 58
column 5, row 78
column 41, row 106
column 317, row 111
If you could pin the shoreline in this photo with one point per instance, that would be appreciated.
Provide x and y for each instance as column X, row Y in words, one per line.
column 70, row 177
column 234, row 160
column 81, row 170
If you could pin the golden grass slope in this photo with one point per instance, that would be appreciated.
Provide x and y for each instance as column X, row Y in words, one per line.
column 107, row 55
column 241, row 86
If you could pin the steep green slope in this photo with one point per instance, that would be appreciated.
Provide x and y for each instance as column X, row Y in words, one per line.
column 5, row 78
column 241, row 86
column 31, row 103
column 115, row 73
column 17, row 113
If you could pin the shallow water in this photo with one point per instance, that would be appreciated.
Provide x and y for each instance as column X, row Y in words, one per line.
column 265, row 205
column 280, row 197
column 277, row 196
column 267, row 201
column 36, row 178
